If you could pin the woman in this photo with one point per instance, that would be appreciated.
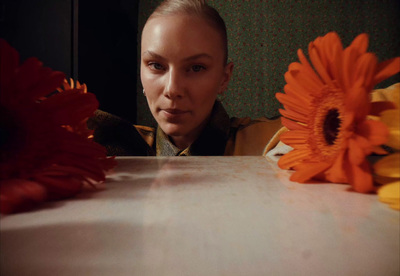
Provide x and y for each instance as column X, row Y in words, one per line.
column 183, row 69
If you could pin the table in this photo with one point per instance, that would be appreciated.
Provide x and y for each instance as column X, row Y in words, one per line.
column 204, row 216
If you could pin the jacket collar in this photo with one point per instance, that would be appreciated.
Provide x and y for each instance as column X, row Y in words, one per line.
column 212, row 140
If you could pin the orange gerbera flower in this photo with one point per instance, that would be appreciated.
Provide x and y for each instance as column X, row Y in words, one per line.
column 326, row 108
column 45, row 149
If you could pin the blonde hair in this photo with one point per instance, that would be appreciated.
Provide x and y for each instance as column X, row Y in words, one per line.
column 196, row 8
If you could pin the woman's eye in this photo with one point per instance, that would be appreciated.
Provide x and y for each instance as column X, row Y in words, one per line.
column 156, row 66
column 197, row 68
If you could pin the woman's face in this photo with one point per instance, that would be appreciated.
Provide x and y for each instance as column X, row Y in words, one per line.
column 182, row 72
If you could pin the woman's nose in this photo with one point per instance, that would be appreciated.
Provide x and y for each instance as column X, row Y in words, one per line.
column 174, row 85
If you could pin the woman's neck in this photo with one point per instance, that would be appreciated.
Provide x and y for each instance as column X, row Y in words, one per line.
column 181, row 142
column 184, row 141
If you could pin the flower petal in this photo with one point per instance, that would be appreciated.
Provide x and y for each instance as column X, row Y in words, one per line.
column 350, row 55
column 365, row 70
column 337, row 62
column 47, row 84
column 292, row 125
column 19, row 194
column 295, row 137
column 360, row 177
column 308, row 69
column 69, row 107
column 303, row 98
column 378, row 107
column 307, row 171
column 390, row 194
column 357, row 101
column 360, row 43
column 357, row 150
column 337, row 172
column 299, row 75
column 390, row 94
column 316, row 61
column 386, row 69
column 49, row 154
column 291, row 114
column 391, row 118
column 291, row 104
column 59, row 186
column 293, row 158
column 337, row 78
column 375, row 132
column 388, row 166
column 30, row 71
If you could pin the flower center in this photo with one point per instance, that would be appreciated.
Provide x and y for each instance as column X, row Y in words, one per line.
column 325, row 122
column 331, row 126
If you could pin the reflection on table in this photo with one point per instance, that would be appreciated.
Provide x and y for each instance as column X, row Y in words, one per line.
column 204, row 216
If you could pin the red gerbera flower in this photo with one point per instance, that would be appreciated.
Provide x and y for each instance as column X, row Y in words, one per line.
column 46, row 149
column 326, row 108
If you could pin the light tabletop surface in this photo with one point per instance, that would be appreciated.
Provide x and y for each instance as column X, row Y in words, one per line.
column 204, row 216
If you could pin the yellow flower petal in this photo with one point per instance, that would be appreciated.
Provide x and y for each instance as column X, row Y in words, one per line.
column 388, row 166
column 395, row 206
column 391, row 118
column 390, row 194
column 391, row 93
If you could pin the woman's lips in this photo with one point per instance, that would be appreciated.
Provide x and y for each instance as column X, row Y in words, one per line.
column 173, row 113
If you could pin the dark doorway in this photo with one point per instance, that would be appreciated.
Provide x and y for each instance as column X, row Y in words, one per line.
column 107, row 59
column 39, row 28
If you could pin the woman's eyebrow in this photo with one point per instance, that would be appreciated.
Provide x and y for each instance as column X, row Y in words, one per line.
column 189, row 58
column 153, row 54
column 194, row 57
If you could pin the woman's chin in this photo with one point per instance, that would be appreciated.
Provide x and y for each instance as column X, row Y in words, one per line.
column 173, row 129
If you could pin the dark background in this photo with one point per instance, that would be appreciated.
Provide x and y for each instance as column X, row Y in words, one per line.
column 101, row 52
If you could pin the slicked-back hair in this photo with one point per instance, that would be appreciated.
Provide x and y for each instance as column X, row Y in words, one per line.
column 195, row 8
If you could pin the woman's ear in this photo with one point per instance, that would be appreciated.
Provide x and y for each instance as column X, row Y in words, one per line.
column 226, row 76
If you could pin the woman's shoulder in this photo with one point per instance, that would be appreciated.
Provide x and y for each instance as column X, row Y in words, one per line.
column 117, row 135
column 253, row 136
column 147, row 133
column 262, row 122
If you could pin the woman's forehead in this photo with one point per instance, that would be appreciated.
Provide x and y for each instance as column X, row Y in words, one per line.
column 188, row 35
